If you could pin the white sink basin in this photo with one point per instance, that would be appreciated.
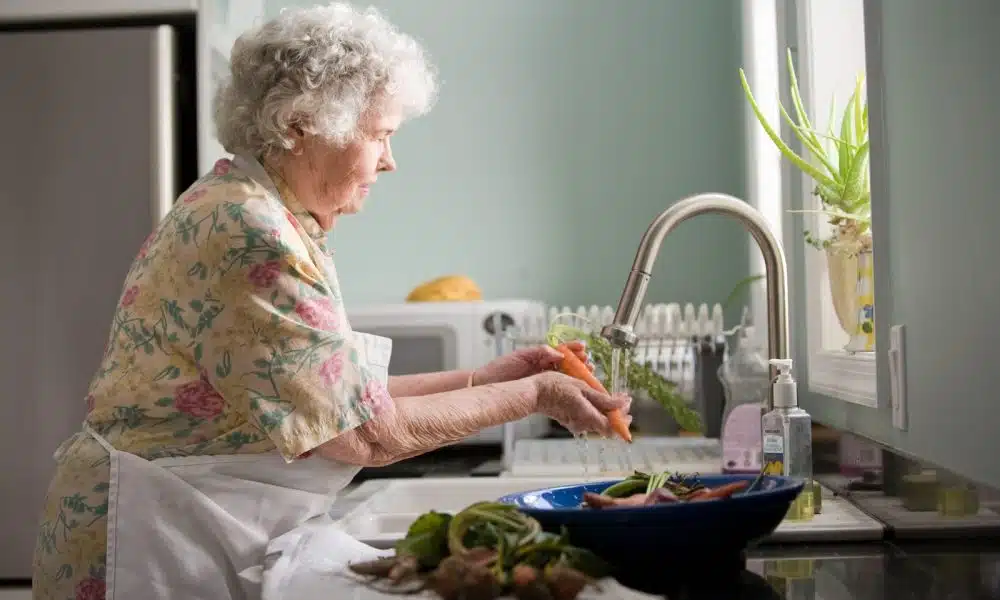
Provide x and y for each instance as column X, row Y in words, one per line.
column 387, row 507
column 384, row 509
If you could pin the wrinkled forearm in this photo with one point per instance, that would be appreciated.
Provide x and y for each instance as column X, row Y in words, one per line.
column 423, row 384
column 419, row 424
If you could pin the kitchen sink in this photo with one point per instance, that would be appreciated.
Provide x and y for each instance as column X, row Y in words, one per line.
column 379, row 512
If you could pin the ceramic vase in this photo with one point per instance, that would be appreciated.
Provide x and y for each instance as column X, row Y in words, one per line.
column 842, row 271
column 863, row 336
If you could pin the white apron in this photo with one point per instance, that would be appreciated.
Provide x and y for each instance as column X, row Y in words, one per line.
column 185, row 528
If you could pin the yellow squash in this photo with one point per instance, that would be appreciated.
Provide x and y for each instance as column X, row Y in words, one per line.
column 450, row 288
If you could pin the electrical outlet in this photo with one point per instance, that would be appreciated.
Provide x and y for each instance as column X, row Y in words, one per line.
column 897, row 375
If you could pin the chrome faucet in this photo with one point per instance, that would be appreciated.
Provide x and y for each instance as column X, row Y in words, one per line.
column 620, row 333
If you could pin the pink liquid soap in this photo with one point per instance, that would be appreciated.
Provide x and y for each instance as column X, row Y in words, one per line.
column 741, row 440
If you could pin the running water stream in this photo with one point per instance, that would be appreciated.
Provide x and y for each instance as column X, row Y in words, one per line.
column 619, row 384
column 619, row 448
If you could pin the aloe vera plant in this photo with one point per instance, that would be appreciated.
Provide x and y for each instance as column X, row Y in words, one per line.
column 838, row 163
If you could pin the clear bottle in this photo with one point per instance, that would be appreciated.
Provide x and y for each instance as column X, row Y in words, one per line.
column 745, row 375
column 746, row 380
column 787, row 440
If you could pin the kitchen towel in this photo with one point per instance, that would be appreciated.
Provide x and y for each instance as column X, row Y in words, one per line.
column 309, row 563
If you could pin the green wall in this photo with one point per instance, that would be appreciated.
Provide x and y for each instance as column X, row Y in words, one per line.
column 563, row 128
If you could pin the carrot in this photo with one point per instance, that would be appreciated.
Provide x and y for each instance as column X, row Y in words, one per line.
column 723, row 491
column 572, row 365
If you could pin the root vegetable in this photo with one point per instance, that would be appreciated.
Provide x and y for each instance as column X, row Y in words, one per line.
column 572, row 365
column 565, row 583
column 528, row 585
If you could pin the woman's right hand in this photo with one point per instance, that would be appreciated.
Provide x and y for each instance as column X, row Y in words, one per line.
column 575, row 405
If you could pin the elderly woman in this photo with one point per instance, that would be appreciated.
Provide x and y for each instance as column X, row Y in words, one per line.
column 233, row 400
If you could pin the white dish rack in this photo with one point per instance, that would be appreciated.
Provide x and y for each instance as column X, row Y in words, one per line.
column 614, row 458
column 670, row 339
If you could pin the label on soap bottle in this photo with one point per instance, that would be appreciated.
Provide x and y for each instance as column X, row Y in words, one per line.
column 773, row 446
column 774, row 454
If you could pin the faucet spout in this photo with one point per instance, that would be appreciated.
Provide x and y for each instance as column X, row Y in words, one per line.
column 621, row 333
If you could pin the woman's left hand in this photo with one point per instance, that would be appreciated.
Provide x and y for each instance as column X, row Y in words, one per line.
column 527, row 362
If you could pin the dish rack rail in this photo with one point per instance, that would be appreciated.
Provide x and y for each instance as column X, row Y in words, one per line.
column 685, row 344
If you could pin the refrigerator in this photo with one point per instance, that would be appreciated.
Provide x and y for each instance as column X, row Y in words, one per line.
column 99, row 136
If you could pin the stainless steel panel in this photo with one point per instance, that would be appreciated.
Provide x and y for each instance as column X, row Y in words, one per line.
column 86, row 169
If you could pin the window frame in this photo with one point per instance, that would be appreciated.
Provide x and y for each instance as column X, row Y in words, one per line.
column 831, row 372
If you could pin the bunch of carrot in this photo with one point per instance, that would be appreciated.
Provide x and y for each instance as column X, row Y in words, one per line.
column 574, row 367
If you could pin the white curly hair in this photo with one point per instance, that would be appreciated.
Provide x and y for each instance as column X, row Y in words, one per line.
column 318, row 69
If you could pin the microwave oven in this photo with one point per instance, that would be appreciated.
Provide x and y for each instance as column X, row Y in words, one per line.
column 442, row 336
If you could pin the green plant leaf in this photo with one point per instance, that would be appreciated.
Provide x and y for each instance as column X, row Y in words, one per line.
column 860, row 124
column 847, row 135
column 854, row 178
column 796, row 96
column 840, row 157
column 810, row 142
column 838, row 214
column 739, row 288
column 790, row 154
column 833, row 138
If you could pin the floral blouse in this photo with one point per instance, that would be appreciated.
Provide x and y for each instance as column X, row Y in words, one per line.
column 230, row 337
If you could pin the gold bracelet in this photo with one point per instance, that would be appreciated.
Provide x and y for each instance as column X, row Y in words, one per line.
column 472, row 375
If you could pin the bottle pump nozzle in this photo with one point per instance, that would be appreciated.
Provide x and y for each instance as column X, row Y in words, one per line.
column 784, row 389
column 784, row 365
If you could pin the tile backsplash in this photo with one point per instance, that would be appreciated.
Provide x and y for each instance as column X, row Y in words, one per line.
column 913, row 498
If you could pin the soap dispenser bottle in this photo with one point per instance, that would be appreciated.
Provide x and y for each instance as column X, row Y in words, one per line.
column 746, row 380
column 787, row 440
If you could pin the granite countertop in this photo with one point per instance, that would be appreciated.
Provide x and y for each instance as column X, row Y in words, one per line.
column 879, row 571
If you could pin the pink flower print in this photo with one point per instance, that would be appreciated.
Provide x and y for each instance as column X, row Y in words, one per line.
column 222, row 166
column 130, row 295
column 263, row 275
column 376, row 397
column 91, row 401
column 195, row 195
column 90, row 588
column 198, row 399
column 293, row 220
column 144, row 249
column 332, row 368
column 318, row 313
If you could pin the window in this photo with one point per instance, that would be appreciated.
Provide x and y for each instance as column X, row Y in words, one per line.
column 828, row 45
column 220, row 23
column 831, row 53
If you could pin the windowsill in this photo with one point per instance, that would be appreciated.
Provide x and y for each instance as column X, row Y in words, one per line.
column 848, row 377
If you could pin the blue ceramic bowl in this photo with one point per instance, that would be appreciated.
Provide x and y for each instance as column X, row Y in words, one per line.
column 681, row 533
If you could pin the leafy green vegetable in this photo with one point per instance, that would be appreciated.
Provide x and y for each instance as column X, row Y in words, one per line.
column 627, row 487
column 426, row 539
column 639, row 482
column 476, row 553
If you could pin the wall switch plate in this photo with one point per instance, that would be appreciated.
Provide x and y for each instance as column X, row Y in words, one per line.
column 897, row 375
